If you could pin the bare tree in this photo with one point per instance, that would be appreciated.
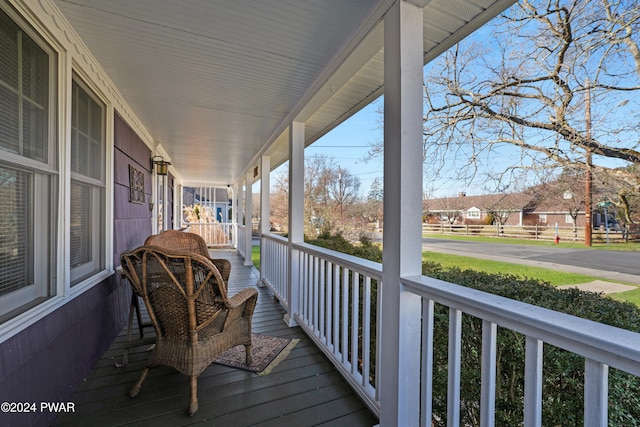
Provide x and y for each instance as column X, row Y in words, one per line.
column 279, row 203
column 343, row 189
column 527, row 88
column 502, row 206
column 624, row 193
column 329, row 192
column 516, row 100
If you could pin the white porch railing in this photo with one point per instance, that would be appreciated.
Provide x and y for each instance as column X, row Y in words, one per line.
column 216, row 234
column 275, row 266
column 601, row 345
column 339, row 309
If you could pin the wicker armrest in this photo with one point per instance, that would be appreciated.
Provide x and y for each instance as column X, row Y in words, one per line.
column 242, row 297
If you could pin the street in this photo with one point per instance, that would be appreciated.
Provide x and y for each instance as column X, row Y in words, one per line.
column 613, row 265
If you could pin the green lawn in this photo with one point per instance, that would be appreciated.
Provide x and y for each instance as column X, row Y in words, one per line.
column 630, row 296
column 556, row 278
column 255, row 256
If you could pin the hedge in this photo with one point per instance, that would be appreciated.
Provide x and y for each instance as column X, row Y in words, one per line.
column 563, row 383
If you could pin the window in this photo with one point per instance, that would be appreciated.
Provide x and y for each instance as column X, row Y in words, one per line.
column 87, row 184
column 542, row 218
column 473, row 213
column 28, row 176
column 568, row 219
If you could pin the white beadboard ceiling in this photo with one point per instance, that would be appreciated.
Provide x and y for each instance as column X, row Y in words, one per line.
column 215, row 82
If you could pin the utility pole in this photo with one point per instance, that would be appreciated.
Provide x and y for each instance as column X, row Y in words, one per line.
column 588, row 177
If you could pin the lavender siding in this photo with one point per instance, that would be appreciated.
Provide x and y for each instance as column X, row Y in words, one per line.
column 132, row 221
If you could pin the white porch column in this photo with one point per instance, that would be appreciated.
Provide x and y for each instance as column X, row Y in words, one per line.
column 248, row 212
column 265, row 209
column 296, row 215
column 401, row 311
column 234, row 215
column 239, row 212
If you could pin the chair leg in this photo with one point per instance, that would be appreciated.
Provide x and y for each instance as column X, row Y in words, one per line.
column 193, row 402
column 136, row 388
column 248, row 353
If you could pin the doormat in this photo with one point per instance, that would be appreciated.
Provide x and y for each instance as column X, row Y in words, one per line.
column 266, row 351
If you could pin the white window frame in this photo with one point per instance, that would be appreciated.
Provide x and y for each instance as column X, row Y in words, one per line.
column 67, row 56
column 568, row 219
column 98, row 202
column 542, row 218
column 474, row 213
column 44, row 198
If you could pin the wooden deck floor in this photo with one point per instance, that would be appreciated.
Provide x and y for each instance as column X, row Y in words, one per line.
column 303, row 390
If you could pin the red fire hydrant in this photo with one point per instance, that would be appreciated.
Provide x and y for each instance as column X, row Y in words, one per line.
column 557, row 239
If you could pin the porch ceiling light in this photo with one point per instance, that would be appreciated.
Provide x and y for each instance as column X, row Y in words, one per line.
column 162, row 167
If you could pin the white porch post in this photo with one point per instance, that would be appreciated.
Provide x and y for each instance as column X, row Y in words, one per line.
column 240, row 211
column 401, row 311
column 248, row 213
column 234, row 213
column 296, row 215
column 265, row 209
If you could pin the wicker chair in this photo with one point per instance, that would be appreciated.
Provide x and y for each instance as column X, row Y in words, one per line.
column 190, row 242
column 193, row 317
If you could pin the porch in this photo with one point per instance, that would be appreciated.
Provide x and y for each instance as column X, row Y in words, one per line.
column 304, row 389
column 224, row 92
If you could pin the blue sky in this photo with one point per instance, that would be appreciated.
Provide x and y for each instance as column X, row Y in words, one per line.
column 349, row 143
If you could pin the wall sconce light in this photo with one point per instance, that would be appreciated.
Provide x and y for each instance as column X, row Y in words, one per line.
column 162, row 167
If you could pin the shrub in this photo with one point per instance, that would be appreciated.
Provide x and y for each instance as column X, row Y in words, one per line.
column 366, row 249
column 563, row 384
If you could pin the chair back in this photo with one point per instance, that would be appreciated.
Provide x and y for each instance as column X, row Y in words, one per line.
column 183, row 292
column 182, row 241
column 179, row 241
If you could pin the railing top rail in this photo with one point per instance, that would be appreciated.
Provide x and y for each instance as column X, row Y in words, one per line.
column 618, row 348
column 369, row 268
column 275, row 238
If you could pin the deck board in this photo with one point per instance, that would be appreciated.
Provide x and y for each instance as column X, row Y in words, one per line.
column 303, row 390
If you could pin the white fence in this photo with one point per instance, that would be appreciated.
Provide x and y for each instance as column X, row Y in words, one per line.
column 535, row 232
column 338, row 307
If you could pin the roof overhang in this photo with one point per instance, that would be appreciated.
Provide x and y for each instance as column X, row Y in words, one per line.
column 216, row 83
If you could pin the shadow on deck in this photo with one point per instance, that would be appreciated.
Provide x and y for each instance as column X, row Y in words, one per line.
column 303, row 390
